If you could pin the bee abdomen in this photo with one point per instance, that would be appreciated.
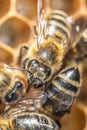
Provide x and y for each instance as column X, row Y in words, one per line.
column 69, row 81
column 58, row 26
column 33, row 121
column 62, row 91
column 66, row 85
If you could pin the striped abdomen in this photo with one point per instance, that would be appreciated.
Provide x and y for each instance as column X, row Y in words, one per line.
column 62, row 92
column 58, row 26
column 28, row 121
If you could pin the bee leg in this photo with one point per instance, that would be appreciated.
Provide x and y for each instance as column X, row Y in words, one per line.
column 22, row 49
column 59, row 124
column 35, row 30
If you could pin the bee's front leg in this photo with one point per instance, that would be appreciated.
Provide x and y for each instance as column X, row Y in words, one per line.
column 22, row 51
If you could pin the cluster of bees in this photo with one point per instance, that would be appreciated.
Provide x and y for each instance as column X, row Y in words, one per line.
column 51, row 87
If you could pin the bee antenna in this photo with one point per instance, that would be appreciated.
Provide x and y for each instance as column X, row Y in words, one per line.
column 12, row 68
column 22, row 69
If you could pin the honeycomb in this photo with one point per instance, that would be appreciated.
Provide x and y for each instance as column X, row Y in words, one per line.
column 17, row 18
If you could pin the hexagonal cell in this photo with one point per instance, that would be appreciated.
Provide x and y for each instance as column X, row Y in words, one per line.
column 14, row 32
column 76, row 120
column 27, row 8
column 4, row 7
column 6, row 54
column 69, row 6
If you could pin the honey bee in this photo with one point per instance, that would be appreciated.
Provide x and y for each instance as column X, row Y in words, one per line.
column 24, row 120
column 43, row 66
column 78, row 53
column 12, row 85
column 42, row 63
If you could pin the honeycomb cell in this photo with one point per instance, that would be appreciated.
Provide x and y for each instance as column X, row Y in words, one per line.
column 14, row 32
column 4, row 7
column 27, row 8
column 69, row 6
column 76, row 120
column 6, row 54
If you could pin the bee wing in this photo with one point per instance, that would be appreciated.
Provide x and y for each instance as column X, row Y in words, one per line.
column 31, row 103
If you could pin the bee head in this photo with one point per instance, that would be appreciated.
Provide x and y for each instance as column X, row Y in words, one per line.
column 38, row 74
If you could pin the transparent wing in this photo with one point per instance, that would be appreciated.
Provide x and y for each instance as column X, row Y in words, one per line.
column 31, row 103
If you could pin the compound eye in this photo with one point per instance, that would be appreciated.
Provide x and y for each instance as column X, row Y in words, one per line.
column 19, row 85
column 32, row 65
column 16, row 93
column 11, row 97
column 46, row 71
